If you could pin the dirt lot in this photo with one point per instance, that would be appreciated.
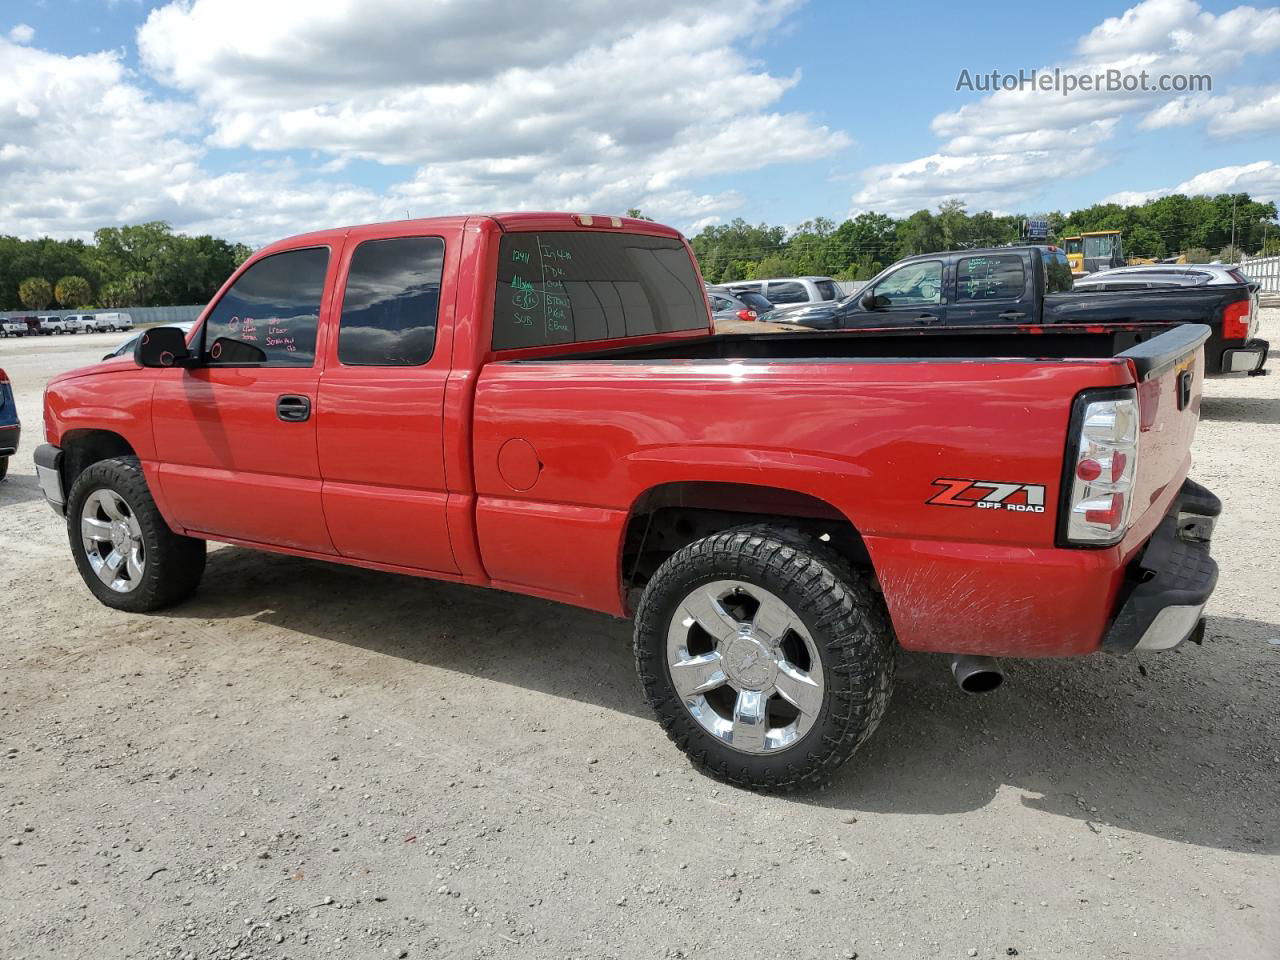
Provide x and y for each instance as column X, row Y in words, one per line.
column 310, row 760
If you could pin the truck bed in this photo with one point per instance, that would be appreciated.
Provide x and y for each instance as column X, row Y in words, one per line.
column 1060, row 342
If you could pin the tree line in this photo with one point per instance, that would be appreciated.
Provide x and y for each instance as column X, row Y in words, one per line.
column 1203, row 228
column 147, row 264
column 141, row 265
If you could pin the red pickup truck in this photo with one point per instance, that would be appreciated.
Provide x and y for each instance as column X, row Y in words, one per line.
column 536, row 403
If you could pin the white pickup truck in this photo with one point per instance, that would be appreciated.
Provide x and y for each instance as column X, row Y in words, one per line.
column 13, row 327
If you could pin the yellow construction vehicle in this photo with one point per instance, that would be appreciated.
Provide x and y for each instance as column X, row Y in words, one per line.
column 1094, row 250
column 1075, row 255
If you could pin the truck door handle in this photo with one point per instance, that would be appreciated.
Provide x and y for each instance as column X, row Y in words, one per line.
column 926, row 317
column 1011, row 315
column 293, row 409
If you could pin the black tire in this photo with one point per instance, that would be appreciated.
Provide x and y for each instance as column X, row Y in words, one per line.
column 4, row 467
column 845, row 618
column 174, row 564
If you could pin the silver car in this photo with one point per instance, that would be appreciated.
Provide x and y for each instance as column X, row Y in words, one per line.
column 1146, row 276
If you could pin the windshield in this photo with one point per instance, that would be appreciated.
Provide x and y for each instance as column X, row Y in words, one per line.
column 1099, row 246
column 1073, row 246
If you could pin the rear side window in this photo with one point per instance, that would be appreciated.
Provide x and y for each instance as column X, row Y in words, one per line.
column 389, row 307
column 275, row 307
column 826, row 289
column 786, row 292
column 990, row 278
column 575, row 287
column 1057, row 272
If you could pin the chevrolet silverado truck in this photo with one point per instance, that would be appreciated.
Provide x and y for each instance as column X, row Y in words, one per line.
column 536, row 403
column 1032, row 287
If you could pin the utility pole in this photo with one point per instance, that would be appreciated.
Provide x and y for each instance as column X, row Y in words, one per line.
column 1233, row 225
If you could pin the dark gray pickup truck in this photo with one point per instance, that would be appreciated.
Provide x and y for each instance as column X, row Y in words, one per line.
column 1031, row 287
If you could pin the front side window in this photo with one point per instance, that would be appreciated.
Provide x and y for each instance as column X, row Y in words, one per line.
column 579, row 286
column 827, row 290
column 389, row 307
column 270, row 315
column 989, row 278
column 911, row 285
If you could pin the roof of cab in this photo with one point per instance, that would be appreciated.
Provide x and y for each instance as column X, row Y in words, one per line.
column 515, row 221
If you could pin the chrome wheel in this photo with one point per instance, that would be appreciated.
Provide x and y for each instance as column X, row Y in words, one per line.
column 745, row 666
column 112, row 539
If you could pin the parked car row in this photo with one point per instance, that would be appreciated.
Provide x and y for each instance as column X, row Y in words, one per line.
column 49, row 324
column 1031, row 286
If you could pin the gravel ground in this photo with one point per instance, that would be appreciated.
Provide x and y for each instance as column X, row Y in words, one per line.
column 309, row 760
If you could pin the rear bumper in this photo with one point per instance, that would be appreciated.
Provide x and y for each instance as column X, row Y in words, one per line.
column 49, row 473
column 1247, row 359
column 10, row 434
column 1170, row 581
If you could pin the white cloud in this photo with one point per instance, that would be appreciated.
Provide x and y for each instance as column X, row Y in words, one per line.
column 592, row 105
column 81, row 147
column 1243, row 111
column 1002, row 133
column 599, row 107
column 22, row 33
column 1261, row 180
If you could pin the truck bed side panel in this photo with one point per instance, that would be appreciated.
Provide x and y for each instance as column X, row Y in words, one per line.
column 584, row 440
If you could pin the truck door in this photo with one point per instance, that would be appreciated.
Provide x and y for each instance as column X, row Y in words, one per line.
column 993, row 288
column 381, row 401
column 911, row 296
column 236, row 436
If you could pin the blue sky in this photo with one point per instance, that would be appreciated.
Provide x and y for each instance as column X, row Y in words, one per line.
column 252, row 120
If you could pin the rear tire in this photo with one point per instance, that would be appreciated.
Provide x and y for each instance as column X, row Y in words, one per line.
column 4, row 467
column 792, row 671
column 126, row 553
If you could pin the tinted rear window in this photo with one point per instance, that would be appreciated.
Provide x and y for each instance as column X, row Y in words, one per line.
column 786, row 292
column 573, row 287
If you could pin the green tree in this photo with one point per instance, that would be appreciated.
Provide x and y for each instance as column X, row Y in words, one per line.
column 920, row 233
column 72, row 292
column 35, row 293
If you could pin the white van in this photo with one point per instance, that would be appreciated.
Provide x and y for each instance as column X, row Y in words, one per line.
column 112, row 321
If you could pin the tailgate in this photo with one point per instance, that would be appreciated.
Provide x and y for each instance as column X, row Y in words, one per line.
column 1170, row 374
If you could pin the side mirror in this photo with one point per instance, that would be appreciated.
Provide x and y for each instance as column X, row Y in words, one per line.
column 162, row 347
column 868, row 300
column 234, row 352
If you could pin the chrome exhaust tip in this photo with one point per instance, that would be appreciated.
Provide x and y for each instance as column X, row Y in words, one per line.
column 976, row 674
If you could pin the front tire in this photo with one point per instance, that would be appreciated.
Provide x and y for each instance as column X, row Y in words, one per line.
column 4, row 467
column 126, row 553
column 767, row 660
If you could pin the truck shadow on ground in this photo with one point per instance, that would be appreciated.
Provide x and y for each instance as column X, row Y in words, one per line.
column 1240, row 409
column 17, row 488
column 1177, row 754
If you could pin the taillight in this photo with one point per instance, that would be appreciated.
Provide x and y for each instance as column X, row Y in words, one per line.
column 1235, row 320
column 747, row 315
column 1102, row 455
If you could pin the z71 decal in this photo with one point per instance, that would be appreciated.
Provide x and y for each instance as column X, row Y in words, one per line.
column 988, row 495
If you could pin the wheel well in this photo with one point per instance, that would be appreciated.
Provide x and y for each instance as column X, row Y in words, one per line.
column 668, row 517
column 83, row 448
